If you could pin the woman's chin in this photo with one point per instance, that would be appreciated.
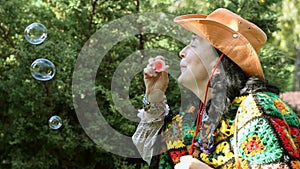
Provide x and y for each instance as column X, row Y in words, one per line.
column 180, row 79
column 183, row 81
column 184, row 77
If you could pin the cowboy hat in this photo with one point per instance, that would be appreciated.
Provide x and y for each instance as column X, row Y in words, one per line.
column 236, row 37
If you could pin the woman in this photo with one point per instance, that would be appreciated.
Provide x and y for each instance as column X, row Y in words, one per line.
column 240, row 122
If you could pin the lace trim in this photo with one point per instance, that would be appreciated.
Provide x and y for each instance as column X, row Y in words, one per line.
column 147, row 131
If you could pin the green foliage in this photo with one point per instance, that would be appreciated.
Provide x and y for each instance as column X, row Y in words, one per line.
column 289, row 36
column 26, row 104
column 277, row 67
column 288, row 39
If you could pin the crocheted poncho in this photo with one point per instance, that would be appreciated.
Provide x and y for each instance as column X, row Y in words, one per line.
column 268, row 135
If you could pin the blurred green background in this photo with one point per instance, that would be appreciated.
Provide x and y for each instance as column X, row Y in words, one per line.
column 27, row 142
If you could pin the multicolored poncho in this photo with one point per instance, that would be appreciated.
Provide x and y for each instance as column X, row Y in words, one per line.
column 268, row 135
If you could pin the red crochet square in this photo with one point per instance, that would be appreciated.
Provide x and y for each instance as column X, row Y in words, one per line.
column 176, row 154
column 288, row 136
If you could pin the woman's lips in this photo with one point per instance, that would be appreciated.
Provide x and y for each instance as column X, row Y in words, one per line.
column 182, row 67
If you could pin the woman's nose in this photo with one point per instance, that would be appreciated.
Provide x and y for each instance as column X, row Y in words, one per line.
column 182, row 53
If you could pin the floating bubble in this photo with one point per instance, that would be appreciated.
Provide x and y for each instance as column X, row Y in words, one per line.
column 159, row 66
column 55, row 122
column 35, row 33
column 42, row 69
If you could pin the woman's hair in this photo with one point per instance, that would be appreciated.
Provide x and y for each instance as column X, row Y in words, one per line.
column 230, row 84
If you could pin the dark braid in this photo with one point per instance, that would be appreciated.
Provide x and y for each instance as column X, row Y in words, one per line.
column 226, row 84
column 255, row 84
column 235, row 82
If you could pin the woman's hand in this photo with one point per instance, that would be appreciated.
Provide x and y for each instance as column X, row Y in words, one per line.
column 156, row 82
column 188, row 162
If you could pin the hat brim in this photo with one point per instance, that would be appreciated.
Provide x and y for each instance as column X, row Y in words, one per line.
column 230, row 42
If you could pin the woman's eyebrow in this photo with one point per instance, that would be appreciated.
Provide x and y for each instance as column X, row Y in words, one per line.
column 194, row 36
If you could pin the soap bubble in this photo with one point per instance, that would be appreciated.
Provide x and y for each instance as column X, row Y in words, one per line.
column 42, row 69
column 55, row 122
column 35, row 33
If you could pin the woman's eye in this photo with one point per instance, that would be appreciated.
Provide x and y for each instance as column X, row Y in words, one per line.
column 193, row 44
column 194, row 41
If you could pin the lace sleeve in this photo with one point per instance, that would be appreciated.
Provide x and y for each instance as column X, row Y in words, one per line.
column 147, row 131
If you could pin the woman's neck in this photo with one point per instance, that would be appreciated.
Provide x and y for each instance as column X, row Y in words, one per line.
column 200, row 91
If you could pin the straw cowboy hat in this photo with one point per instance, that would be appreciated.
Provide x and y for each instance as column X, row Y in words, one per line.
column 236, row 37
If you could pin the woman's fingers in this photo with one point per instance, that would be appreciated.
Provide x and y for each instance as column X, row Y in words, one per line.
column 149, row 72
column 156, row 82
column 152, row 76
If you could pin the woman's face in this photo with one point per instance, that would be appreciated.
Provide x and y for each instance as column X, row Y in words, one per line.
column 197, row 61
